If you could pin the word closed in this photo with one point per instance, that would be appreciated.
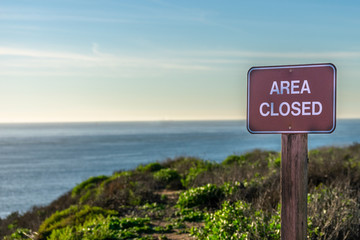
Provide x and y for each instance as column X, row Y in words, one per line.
column 292, row 99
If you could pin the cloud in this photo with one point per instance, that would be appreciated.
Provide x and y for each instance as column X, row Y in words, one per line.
column 22, row 61
column 201, row 56
column 157, row 12
column 35, row 62
column 275, row 55
column 18, row 52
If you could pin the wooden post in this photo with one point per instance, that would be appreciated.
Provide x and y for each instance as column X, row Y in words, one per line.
column 294, row 180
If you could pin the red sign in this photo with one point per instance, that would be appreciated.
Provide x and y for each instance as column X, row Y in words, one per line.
column 292, row 99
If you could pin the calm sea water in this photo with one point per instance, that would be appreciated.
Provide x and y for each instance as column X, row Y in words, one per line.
column 40, row 162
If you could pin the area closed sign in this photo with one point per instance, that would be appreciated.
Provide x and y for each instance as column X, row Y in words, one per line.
column 292, row 99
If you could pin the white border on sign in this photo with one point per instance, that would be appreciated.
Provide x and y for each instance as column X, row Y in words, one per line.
column 292, row 66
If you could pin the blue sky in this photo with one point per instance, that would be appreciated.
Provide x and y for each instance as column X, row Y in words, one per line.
column 163, row 60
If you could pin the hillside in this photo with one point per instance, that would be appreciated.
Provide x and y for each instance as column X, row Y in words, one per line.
column 187, row 198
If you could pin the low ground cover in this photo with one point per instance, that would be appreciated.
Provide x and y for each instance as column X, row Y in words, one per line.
column 187, row 198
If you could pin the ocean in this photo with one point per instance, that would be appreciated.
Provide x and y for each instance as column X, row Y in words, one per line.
column 40, row 162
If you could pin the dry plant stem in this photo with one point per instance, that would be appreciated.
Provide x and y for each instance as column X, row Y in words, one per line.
column 294, row 155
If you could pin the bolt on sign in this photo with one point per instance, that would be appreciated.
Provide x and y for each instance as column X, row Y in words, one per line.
column 292, row 99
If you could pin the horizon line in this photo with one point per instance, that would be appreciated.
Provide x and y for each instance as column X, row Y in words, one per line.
column 124, row 121
column 142, row 120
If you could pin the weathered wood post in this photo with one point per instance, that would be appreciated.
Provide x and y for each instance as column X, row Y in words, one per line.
column 294, row 180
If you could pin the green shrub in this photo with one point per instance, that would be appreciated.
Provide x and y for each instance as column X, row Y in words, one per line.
column 127, row 189
column 92, row 182
column 164, row 229
column 230, row 188
column 206, row 196
column 239, row 221
column 235, row 159
column 114, row 177
column 111, row 227
column 274, row 160
column 151, row 167
column 257, row 158
column 191, row 176
column 190, row 215
column 89, row 194
column 169, row 178
column 197, row 174
column 20, row 234
column 333, row 213
column 125, row 223
column 333, row 164
column 166, row 175
column 71, row 217
column 152, row 206
column 183, row 164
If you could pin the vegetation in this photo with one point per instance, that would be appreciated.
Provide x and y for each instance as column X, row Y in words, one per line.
column 187, row 198
column 239, row 221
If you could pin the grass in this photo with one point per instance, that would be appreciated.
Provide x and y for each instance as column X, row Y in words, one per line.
column 187, row 198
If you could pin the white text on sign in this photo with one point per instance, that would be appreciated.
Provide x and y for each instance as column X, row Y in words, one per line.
column 295, row 108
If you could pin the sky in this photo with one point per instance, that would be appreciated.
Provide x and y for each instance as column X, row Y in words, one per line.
column 139, row 60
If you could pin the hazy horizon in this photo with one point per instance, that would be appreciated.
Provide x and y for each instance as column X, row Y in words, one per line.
column 154, row 120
